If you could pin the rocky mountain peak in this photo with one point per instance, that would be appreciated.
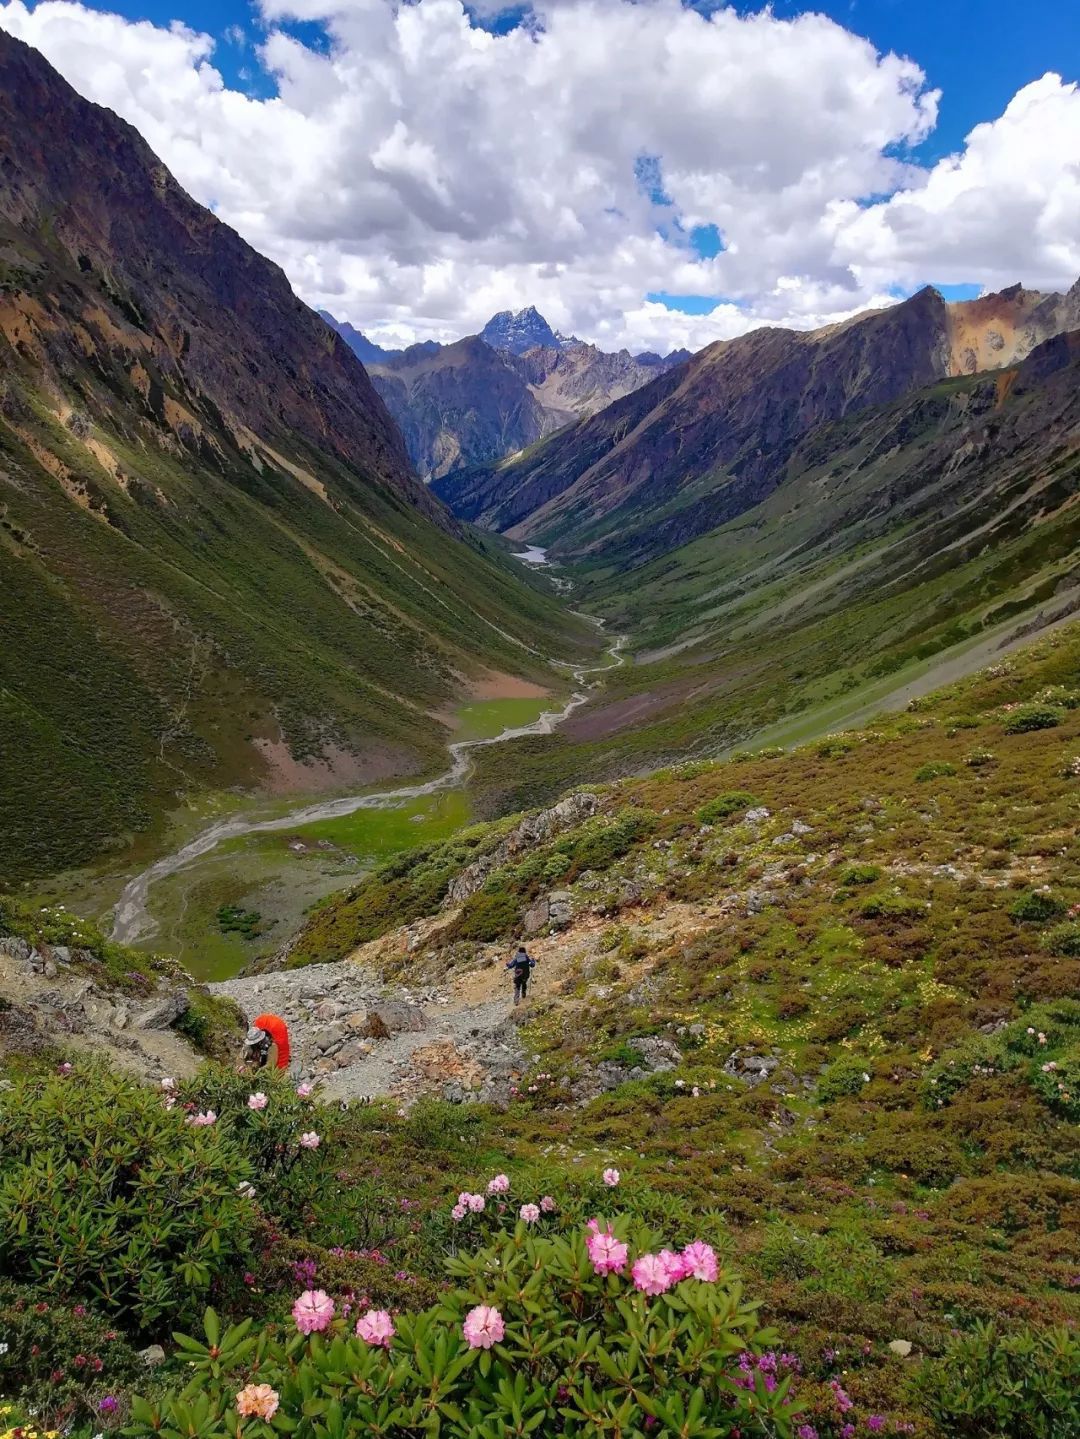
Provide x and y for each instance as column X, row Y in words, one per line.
column 521, row 331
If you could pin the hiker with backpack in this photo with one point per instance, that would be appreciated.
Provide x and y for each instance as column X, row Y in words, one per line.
column 522, row 964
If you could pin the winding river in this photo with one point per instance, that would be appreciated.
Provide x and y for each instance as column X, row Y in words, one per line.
column 132, row 919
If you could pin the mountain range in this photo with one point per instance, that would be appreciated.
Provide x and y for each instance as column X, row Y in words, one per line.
column 795, row 529
column 216, row 564
column 711, row 438
column 494, row 394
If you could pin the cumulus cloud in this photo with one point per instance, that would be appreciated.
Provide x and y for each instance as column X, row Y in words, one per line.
column 418, row 171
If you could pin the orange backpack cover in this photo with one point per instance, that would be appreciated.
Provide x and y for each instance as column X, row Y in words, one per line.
column 278, row 1031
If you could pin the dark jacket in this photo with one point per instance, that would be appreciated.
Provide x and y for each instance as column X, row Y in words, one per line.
column 521, row 963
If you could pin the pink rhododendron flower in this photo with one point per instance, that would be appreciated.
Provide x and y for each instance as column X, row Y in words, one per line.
column 483, row 1327
column 530, row 1213
column 675, row 1265
column 650, row 1274
column 806, row 1431
column 607, row 1253
column 310, row 1140
column 458, row 1212
column 611, row 1177
column 200, row 1121
column 376, row 1327
column 700, row 1261
column 499, row 1185
column 547, row 1204
column 305, row 1090
column 257, row 1400
column 477, row 1203
column 313, row 1310
column 258, row 1100
column 168, row 1082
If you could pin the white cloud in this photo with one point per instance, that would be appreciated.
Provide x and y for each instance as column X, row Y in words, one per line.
column 424, row 172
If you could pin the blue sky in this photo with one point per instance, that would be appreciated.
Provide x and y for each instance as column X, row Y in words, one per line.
column 644, row 178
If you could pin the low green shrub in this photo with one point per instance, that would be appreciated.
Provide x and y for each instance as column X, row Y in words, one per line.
column 888, row 904
column 214, row 1024
column 935, row 769
column 486, row 915
column 60, row 1360
column 979, row 759
column 860, row 874
column 108, row 1196
column 723, row 806
column 286, row 1176
column 1034, row 906
column 990, row 1385
column 846, row 1075
column 1063, row 939
column 1032, row 717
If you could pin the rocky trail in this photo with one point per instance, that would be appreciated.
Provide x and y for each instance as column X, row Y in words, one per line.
column 361, row 1038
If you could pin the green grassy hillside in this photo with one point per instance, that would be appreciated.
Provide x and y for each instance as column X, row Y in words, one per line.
column 890, row 920
column 904, row 542
column 216, row 568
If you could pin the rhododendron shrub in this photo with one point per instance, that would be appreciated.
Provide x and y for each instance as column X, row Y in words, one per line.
column 109, row 1196
column 533, row 1340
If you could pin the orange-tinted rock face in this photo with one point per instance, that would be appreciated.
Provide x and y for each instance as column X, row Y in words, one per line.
column 997, row 330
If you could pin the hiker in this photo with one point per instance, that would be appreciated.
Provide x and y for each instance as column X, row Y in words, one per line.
column 266, row 1030
column 522, row 965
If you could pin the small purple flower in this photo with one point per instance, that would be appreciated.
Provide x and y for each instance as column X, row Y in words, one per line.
column 109, row 1405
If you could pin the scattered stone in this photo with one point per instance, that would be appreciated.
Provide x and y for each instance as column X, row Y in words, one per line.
column 152, row 1355
column 163, row 1013
column 560, row 908
column 902, row 1347
column 757, row 815
column 537, row 918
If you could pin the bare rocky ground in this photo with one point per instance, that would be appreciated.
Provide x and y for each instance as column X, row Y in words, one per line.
column 360, row 1038
column 48, row 1001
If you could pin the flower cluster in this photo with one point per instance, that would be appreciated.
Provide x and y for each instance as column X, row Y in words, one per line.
column 483, row 1327
column 258, row 1401
column 202, row 1120
column 651, row 1273
column 477, row 1203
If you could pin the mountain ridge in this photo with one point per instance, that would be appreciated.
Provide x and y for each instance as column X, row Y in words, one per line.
column 218, row 566
column 709, row 439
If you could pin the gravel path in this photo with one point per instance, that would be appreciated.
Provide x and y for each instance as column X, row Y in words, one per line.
column 436, row 1044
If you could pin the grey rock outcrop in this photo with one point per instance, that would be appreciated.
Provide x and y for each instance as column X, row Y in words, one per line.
column 534, row 829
